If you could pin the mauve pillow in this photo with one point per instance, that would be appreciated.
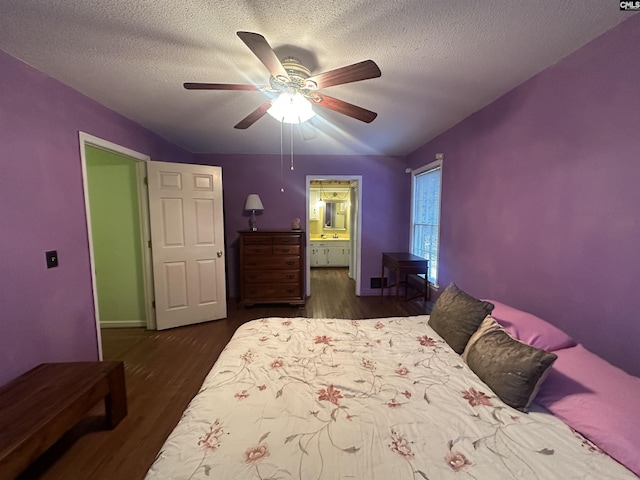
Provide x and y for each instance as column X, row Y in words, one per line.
column 456, row 315
column 598, row 400
column 530, row 329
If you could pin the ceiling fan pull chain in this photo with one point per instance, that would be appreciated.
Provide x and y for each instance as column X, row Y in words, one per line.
column 281, row 157
column 291, row 134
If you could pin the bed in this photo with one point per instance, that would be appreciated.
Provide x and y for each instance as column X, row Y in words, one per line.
column 380, row 399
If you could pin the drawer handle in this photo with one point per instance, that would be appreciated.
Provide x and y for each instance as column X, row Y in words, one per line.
column 290, row 262
column 286, row 249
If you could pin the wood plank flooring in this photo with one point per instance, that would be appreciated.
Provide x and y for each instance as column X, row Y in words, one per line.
column 164, row 370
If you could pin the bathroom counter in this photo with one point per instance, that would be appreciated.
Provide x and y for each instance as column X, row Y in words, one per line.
column 329, row 239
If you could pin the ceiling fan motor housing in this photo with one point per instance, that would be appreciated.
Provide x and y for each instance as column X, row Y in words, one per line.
column 297, row 81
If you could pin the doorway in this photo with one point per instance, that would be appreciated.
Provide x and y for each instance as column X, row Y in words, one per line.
column 183, row 203
column 117, row 238
column 128, row 178
column 354, row 195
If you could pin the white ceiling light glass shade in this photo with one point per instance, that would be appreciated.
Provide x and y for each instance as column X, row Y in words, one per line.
column 291, row 108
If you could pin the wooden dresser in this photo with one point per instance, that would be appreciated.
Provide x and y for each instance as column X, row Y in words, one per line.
column 272, row 267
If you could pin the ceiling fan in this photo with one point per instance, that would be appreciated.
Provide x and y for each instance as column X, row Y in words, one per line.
column 293, row 79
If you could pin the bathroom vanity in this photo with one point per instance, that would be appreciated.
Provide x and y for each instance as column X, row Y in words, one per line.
column 329, row 252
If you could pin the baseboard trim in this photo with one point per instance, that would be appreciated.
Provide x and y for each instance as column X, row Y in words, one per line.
column 123, row 324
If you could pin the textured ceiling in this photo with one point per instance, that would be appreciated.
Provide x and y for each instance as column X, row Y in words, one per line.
column 441, row 60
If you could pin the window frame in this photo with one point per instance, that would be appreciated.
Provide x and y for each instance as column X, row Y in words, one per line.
column 438, row 164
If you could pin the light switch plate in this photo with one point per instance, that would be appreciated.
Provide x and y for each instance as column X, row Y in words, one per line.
column 52, row 258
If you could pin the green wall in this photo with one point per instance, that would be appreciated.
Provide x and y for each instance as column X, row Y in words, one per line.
column 115, row 228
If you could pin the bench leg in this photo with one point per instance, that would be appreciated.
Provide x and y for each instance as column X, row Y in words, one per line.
column 116, row 401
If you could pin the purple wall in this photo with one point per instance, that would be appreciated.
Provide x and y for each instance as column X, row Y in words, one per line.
column 47, row 314
column 541, row 197
column 540, row 203
column 385, row 197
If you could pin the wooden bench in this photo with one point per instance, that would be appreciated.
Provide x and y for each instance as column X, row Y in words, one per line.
column 37, row 408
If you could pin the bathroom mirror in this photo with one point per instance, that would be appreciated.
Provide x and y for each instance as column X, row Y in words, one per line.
column 335, row 214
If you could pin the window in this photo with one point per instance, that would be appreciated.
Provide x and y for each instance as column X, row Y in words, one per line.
column 425, row 216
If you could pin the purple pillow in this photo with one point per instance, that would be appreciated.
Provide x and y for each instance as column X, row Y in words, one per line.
column 598, row 400
column 530, row 329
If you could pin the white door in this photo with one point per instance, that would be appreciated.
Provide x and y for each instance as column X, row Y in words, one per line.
column 187, row 243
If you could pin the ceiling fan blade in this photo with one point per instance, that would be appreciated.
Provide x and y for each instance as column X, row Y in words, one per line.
column 254, row 116
column 340, row 106
column 261, row 48
column 351, row 73
column 219, row 86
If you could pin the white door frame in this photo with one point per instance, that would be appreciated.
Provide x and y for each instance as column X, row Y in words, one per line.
column 143, row 205
column 358, row 227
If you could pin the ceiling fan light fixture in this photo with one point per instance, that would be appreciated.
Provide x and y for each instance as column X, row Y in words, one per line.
column 291, row 108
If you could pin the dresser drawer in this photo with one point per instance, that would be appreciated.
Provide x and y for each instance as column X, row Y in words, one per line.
column 275, row 276
column 272, row 291
column 274, row 262
column 257, row 239
column 286, row 250
column 258, row 249
column 286, row 239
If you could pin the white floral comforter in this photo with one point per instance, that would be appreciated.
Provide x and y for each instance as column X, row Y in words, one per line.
column 382, row 399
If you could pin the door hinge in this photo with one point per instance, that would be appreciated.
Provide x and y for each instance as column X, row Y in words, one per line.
column 149, row 242
column 146, row 181
column 153, row 304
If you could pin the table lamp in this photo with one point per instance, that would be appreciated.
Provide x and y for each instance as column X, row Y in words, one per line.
column 253, row 203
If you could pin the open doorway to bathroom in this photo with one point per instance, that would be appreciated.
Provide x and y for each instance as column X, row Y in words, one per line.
column 333, row 226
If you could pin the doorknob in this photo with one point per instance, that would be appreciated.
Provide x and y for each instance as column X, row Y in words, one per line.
column 219, row 253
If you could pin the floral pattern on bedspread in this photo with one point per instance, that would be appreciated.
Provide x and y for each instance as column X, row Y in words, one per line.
column 362, row 399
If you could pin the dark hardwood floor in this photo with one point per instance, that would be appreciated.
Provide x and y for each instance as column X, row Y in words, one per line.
column 164, row 370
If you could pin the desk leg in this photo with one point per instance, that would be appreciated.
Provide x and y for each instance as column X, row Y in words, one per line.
column 426, row 288
column 382, row 281
column 397, row 281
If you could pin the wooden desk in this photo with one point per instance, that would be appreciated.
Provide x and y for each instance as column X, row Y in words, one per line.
column 37, row 408
column 403, row 263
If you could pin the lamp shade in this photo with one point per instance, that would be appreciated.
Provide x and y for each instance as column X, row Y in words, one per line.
column 253, row 202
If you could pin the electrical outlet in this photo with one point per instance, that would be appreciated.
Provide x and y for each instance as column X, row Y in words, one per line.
column 52, row 258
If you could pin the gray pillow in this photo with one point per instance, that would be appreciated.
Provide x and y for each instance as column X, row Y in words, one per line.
column 512, row 369
column 457, row 315
column 489, row 324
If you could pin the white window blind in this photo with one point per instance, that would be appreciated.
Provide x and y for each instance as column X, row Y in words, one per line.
column 425, row 216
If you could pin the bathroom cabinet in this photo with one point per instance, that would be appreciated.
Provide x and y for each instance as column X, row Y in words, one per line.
column 314, row 205
column 333, row 253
